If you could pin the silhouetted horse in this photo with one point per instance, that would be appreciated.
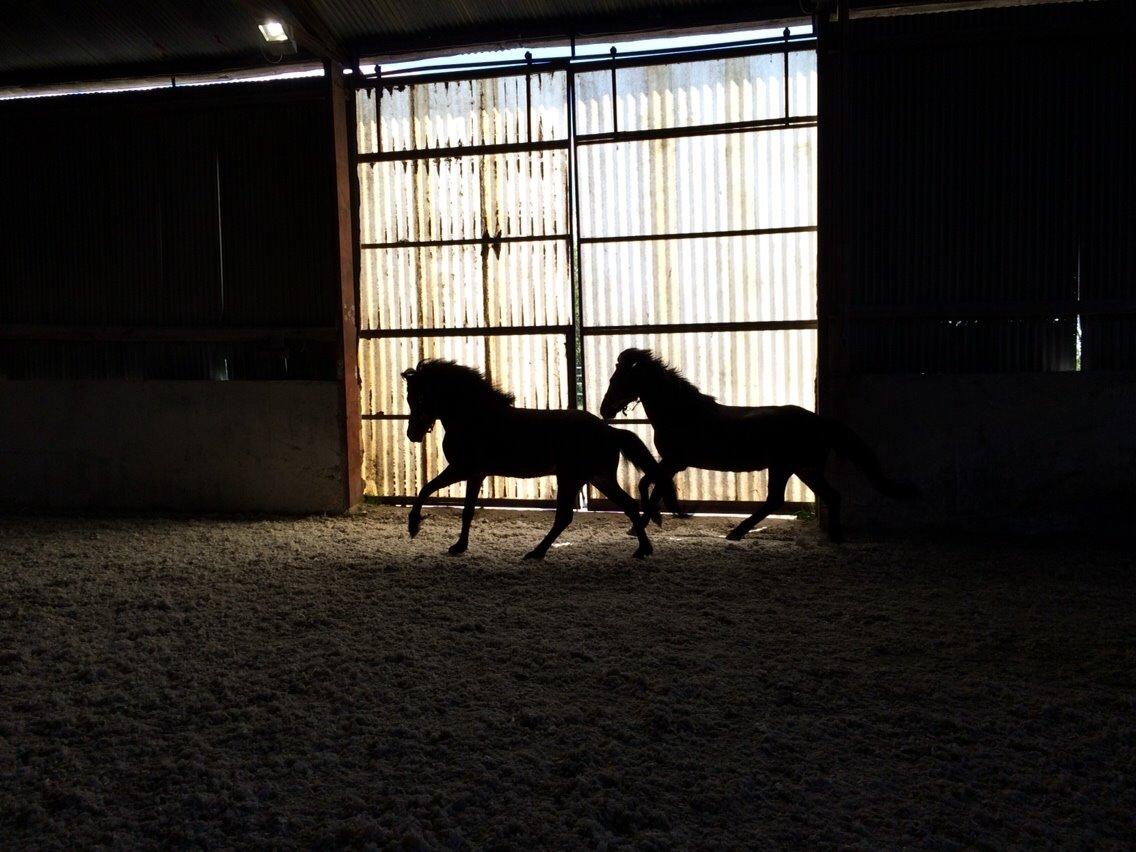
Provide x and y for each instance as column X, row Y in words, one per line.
column 486, row 435
column 693, row 430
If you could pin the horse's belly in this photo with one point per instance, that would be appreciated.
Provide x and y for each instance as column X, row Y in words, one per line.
column 716, row 451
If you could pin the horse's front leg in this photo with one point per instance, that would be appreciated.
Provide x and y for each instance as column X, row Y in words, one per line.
column 472, row 488
column 447, row 477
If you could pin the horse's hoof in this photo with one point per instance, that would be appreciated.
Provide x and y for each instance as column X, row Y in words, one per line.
column 633, row 531
column 736, row 535
column 457, row 548
column 413, row 524
column 644, row 552
column 534, row 554
column 682, row 516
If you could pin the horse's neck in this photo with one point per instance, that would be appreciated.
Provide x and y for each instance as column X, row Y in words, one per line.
column 665, row 403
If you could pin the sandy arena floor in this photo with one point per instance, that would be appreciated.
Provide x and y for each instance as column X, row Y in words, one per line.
column 326, row 682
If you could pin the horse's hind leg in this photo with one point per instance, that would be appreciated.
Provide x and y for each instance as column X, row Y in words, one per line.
column 566, row 491
column 815, row 479
column 472, row 487
column 664, row 491
column 774, row 500
column 609, row 487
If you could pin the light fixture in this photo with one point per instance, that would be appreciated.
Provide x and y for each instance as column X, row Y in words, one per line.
column 273, row 32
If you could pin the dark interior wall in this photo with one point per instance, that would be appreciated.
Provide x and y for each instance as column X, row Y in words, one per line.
column 200, row 208
column 976, row 246
column 182, row 235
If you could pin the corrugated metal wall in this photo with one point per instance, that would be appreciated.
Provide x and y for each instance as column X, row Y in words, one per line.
column 987, row 184
column 203, row 209
column 696, row 189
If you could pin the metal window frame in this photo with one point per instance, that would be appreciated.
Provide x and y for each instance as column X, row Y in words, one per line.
column 575, row 333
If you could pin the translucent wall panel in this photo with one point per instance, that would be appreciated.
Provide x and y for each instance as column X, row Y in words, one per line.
column 465, row 286
column 735, row 181
column 720, row 279
column 453, row 198
column 465, row 112
column 690, row 94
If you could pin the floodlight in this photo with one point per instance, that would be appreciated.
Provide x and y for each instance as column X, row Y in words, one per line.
column 273, row 31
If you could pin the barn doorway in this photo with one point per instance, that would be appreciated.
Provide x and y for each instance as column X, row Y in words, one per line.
column 535, row 220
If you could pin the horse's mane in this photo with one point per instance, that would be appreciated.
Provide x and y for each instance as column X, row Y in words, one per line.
column 462, row 381
column 678, row 384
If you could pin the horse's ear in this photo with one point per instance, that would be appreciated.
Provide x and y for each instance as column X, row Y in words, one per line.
column 406, row 374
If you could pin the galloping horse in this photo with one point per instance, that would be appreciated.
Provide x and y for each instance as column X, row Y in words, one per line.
column 486, row 435
column 693, row 430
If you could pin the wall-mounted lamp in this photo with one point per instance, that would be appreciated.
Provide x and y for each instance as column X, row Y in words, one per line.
column 274, row 32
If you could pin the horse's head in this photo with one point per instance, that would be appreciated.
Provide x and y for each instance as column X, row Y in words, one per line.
column 626, row 383
column 423, row 415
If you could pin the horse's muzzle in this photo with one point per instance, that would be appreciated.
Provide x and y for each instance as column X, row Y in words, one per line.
column 611, row 407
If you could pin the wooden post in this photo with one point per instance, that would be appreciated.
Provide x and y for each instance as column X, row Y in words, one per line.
column 343, row 135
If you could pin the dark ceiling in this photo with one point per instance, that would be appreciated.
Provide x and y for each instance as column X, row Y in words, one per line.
column 53, row 41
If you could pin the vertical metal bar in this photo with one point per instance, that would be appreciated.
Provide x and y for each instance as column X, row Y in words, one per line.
column 786, row 75
column 614, row 95
column 528, row 95
column 378, row 108
column 575, row 353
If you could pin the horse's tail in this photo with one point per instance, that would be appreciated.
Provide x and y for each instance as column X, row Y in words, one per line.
column 636, row 452
column 850, row 445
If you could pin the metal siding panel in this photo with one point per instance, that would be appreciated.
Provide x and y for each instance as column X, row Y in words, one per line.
column 998, row 192
column 110, row 219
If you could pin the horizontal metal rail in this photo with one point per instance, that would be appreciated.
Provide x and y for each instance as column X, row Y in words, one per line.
column 651, row 134
column 692, row 327
column 467, row 241
column 721, row 129
column 487, row 502
column 164, row 334
column 986, row 310
column 710, row 507
column 482, row 331
column 462, row 151
column 700, row 235
column 458, row 72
